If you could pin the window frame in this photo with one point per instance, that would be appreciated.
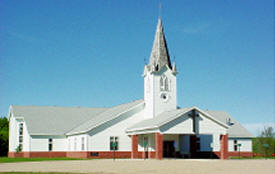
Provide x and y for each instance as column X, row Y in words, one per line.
column 20, row 135
column 235, row 145
column 82, row 143
column 75, row 144
column 116, row 140
column 164, row 83
column 50, row 144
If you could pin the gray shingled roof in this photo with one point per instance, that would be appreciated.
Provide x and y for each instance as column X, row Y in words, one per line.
column 166, row 117
column 159, row 54
column 52, row 120
column 158, row 120
column 235, row 130
column 104, row 117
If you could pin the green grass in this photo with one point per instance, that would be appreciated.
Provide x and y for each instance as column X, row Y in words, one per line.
column 11, row 160
column 36, row 173
column 256, row 157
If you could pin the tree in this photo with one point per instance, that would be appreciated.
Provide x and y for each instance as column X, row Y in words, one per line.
column 265, row 142
column 4, row 136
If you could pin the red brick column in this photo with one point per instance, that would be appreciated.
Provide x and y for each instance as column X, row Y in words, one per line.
column 151, row 154
column 158, row 145
column 134, row 153
column 224, row 146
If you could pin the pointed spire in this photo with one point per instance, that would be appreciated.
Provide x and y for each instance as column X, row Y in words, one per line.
column 174, row 68
column 159, row 54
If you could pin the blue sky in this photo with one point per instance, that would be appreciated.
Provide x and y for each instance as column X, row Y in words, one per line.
column 91, row 53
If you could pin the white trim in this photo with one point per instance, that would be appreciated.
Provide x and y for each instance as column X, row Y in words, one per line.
column 209, row 116
column 144, row 132
column 142, row 129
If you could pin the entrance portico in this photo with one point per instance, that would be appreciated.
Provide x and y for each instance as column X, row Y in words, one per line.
column 177, row 137
column 177, row 146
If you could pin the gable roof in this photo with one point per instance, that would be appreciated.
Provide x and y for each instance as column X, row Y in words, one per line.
column 104, row 117
column 52, row 120
column 166, row 117
column 157, row 121
column 235, row 130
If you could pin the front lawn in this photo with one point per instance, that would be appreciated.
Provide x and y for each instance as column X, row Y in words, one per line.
column 34, row 173
column 255, row 157
column 11, row 160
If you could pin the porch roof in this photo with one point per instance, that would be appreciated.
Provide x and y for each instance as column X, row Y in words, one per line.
column 166, row 117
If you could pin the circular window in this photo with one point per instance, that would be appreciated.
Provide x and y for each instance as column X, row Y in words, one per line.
column 164, row 96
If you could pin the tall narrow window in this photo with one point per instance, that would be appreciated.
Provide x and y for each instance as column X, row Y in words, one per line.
column 145, row 143
column 161, row 84
column 235, row 145
column 75, row 144
column 82, row 143
column 164, row 85
column 20, row 136
column 50, row 144
column 69, row 145
column 113, row 143
column 116, row 141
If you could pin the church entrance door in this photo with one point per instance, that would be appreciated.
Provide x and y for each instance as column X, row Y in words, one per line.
column 193, row 146
column 168, row 149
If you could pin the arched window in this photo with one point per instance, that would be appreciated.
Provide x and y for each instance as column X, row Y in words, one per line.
column 50, row 144
column 20, row 137
column 161, row 84
column 75, row 141
column 164, row 85
column 82, row 143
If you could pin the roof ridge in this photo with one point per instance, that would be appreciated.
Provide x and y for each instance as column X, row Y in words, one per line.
column 59, row 106
column 99, row 115
column 126, row 103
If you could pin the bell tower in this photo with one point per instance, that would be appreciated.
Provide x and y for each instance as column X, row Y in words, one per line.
column 160, row 83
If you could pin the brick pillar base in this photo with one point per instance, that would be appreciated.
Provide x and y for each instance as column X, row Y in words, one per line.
column 224, row 146
column 134, row 153
column 151, row 154
column 158, row 145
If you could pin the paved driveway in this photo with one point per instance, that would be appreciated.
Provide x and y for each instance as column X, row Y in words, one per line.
column 166, row 166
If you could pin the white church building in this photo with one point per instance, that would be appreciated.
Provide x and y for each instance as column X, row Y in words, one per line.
column 154, row 127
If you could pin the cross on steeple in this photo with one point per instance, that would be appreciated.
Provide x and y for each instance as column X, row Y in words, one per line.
column 193, row 115
column 159, row 10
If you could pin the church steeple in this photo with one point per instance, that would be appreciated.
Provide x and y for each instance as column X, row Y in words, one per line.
column 159, row 54
column 160, row 81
